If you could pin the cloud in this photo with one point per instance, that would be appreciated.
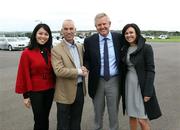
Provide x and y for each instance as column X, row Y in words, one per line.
column 20, row 15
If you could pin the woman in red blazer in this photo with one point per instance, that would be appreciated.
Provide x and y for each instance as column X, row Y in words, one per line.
column 35, row 77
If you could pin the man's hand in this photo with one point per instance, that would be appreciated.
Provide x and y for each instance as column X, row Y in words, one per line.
column 84, row 71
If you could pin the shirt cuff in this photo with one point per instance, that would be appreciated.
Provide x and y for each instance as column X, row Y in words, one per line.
column 26, row 95
column 80, row 72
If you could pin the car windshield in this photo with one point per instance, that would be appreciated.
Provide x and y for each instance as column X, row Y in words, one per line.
column 23, row 38
column 12, row 39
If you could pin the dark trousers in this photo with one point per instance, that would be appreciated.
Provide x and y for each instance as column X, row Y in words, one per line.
column 69, row 115
column 41, row 104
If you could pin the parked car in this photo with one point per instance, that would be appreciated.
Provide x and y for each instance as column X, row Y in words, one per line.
column 147, row 36
column 163, row 37
column 78, row 40
column 11, row 43
column 25, row 40
column 56, row 41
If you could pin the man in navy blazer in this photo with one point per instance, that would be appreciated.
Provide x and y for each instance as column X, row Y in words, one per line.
column 100, row 88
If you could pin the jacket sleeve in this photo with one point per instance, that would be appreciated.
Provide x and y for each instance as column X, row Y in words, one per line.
column 149, row 70
column 23, row 80
column 59, row 67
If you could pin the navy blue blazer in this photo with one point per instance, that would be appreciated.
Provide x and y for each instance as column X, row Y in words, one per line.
column 92, row 59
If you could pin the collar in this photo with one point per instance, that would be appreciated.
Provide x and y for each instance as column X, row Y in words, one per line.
column 70, row 45
column 109, row 37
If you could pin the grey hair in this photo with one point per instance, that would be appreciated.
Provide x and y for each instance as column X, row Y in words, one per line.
column 100, row 15
column 67, row 20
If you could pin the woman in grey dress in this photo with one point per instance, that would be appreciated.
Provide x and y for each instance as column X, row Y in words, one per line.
column 139, row 96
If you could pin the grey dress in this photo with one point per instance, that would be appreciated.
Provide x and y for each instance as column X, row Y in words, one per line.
column 134, row 100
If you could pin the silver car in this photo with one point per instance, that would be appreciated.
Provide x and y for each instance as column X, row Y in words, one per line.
column 11, row 43
column 24, row 40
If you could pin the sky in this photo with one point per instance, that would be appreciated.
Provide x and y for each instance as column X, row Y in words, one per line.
column 24, row 15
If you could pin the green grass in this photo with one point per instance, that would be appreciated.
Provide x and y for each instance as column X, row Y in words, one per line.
column 171, row 39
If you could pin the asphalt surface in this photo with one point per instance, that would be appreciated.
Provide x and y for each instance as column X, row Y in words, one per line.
column 14, row 116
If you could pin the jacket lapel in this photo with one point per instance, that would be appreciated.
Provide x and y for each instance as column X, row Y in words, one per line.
column 116, row 46
column 66, row 50
column 80, row 52
column 96, row 47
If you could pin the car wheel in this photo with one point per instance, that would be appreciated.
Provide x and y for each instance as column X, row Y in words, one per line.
column 10, row 48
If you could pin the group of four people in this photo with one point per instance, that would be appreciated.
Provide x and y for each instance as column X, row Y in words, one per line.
column 116, row 65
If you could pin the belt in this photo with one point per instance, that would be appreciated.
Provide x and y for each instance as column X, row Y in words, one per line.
column 110, row 76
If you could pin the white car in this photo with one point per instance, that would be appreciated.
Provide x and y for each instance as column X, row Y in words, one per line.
column 25, row 40
column 55, row 41
column 148, row 36
column 78, row 40
column 11, row 43
column 163, row 37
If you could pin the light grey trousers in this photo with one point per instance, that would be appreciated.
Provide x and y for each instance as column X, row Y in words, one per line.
column 107, row 93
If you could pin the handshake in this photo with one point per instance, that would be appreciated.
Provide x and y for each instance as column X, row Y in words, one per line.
column 83, row 71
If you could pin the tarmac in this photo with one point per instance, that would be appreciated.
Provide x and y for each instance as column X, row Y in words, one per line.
column 14, row 116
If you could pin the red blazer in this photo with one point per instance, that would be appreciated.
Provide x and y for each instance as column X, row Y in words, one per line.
column 33, row 72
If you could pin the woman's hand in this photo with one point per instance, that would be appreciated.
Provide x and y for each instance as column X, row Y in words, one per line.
column 27, row 102
column 146, row 99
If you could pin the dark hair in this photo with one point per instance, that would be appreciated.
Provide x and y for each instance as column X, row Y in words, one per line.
column 33, row 42
column 136, row 28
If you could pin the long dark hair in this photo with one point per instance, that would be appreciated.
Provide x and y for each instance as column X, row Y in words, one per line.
column 33, row 42
column 136, row 28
